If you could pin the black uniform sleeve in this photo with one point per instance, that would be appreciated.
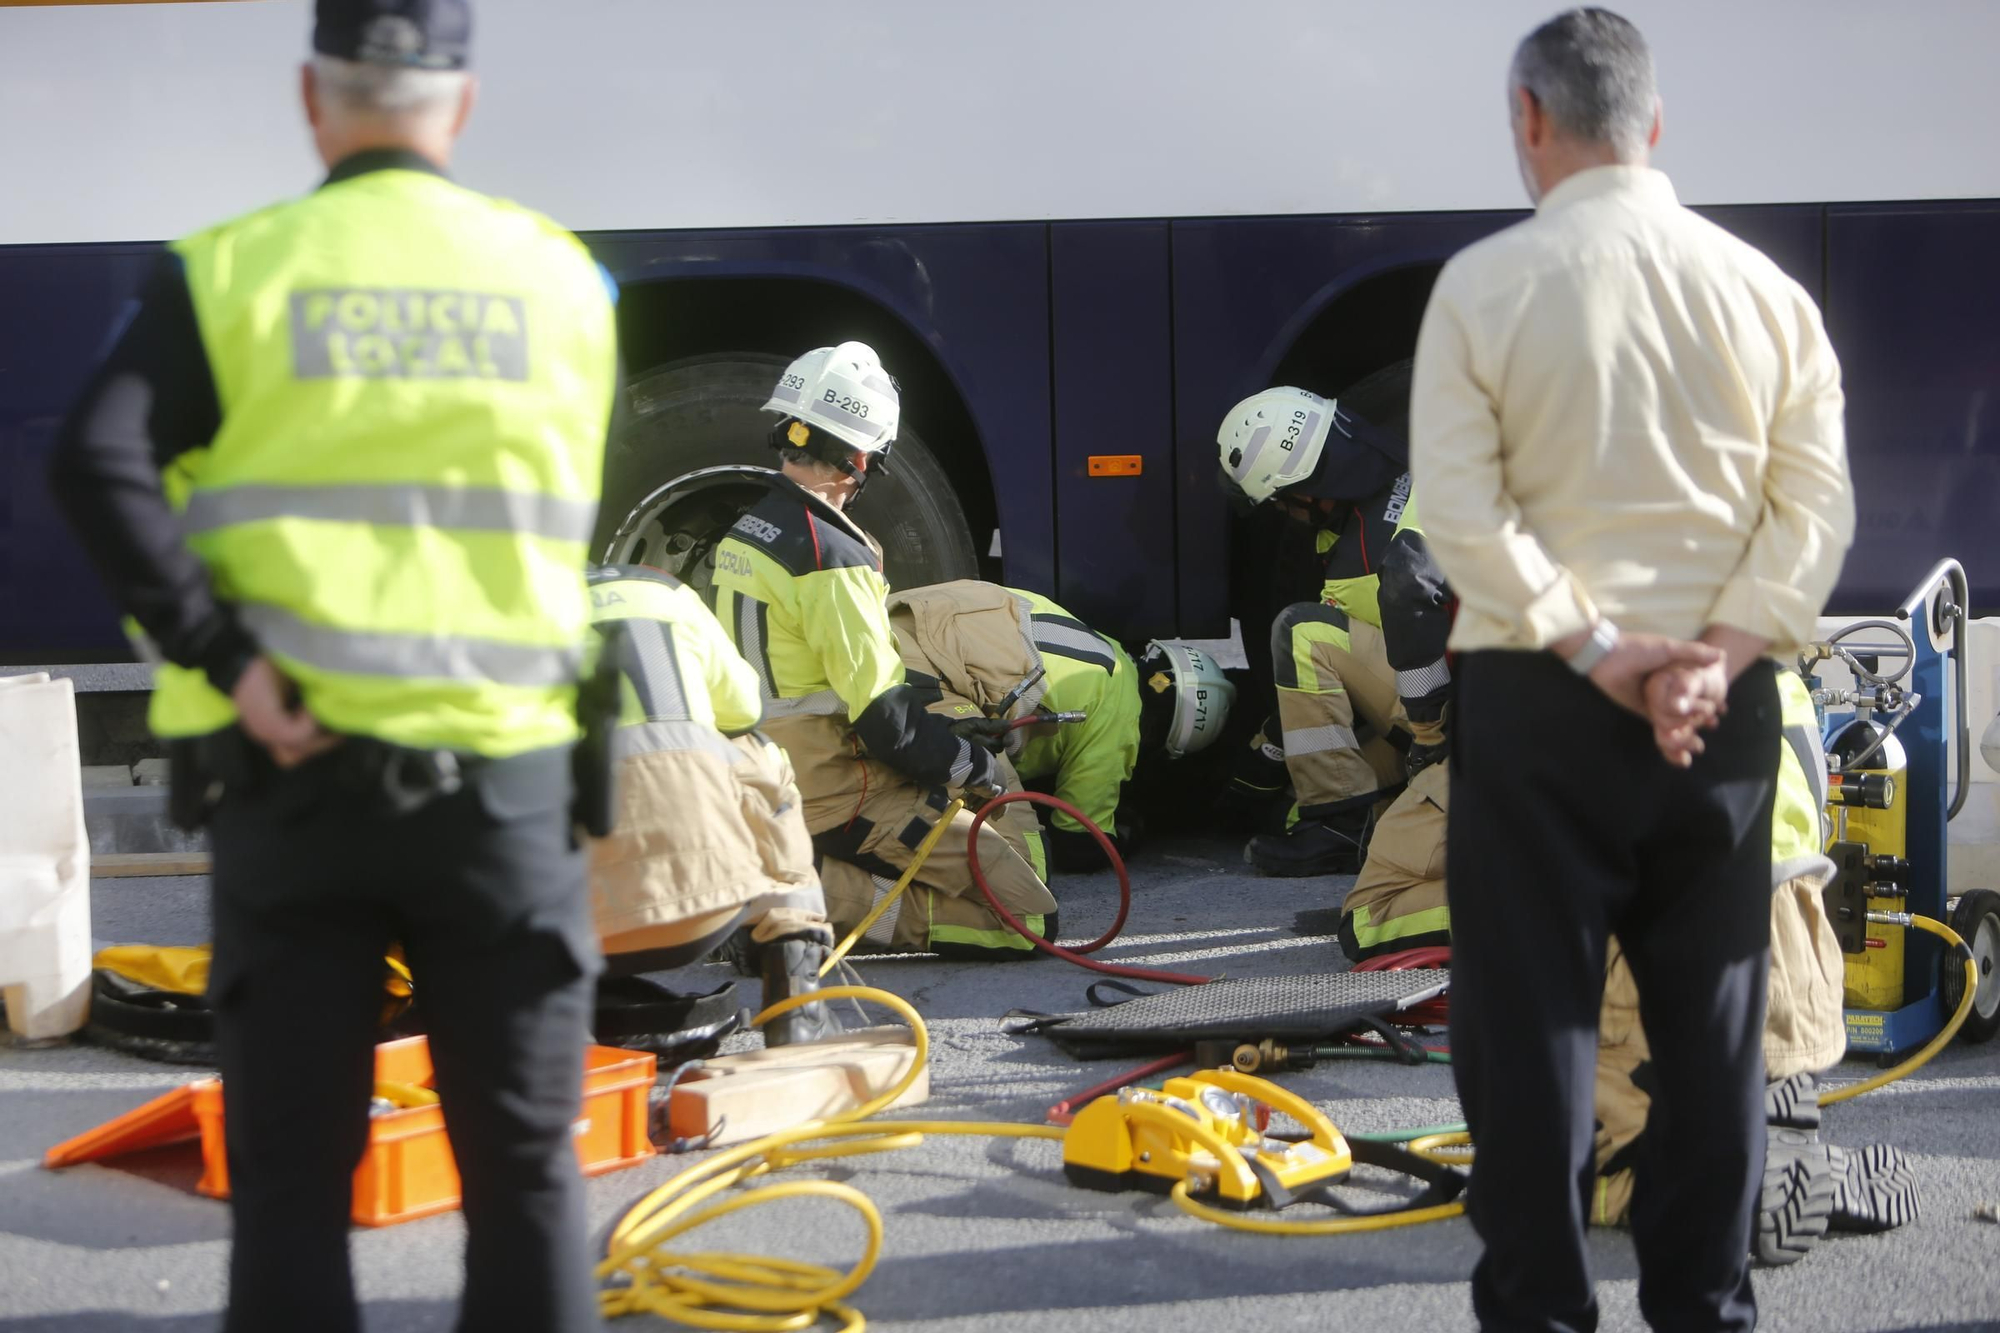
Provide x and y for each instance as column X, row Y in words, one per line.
column 151, row 400
column 1416, row 619
column 919, row 744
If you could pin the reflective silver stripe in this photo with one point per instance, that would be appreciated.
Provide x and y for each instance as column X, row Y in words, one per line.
column 1319, row 740
column 1806, row 748
column 855, row 421
column 785, row 393
column 415, row 656
column 655, row 671
column 1416, row 684
column 1080, row 644
column 961, row 767
column 751, row 621
column 820, row 703
column 655, row 737
column 883, row 932
column 471, row 508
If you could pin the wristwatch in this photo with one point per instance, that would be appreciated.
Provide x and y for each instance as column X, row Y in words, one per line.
column 1603, row 638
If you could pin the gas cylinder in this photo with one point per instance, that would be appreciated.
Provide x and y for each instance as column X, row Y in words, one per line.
column 1870, row 805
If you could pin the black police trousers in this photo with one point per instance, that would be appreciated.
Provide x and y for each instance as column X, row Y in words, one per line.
column 485, row 890
column 1567, row 826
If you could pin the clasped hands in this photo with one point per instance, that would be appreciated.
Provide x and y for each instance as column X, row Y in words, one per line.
column 1680, row 687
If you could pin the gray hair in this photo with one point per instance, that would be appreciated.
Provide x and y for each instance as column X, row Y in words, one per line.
column 1592, row 74
column 364, row 89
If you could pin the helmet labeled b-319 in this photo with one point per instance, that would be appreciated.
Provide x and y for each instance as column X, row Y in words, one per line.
column 1272, row 440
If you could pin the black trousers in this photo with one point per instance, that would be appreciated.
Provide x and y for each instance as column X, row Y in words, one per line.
column 485, row 890
column 1566, row 827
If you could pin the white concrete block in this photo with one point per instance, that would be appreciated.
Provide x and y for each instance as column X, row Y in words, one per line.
column 44, row 861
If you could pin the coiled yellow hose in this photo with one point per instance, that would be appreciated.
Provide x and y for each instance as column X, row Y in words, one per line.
column 1951, row 1027
column 748, row 1293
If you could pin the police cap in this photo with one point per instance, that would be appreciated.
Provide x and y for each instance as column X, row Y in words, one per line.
column 421, row 34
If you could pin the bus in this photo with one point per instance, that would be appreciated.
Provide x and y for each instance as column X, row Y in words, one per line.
column 1075, row 230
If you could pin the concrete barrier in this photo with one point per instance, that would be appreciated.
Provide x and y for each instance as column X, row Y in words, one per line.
column 44, row 861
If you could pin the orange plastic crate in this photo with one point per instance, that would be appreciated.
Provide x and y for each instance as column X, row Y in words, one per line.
column 408, row 1171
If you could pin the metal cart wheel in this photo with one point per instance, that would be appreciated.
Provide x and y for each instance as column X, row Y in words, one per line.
column 1977, row 920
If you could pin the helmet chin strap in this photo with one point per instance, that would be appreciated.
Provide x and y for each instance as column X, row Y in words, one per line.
column 828, row 449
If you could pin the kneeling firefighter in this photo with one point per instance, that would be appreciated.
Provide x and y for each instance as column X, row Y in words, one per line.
column 1368, row 658
column 799, row 588
column 710, row 835
column 1809, row 1186
column 1004, row 656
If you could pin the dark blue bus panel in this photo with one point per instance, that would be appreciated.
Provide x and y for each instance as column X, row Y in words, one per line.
column 1028, row 348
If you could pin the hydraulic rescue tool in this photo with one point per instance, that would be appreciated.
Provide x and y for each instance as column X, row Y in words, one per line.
column 1203, row 1131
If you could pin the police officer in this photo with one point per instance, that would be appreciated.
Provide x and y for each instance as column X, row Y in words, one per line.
column 985, row 646
column 1370, row 652
column 378, row 416
column 709, row 835
column 799, row 587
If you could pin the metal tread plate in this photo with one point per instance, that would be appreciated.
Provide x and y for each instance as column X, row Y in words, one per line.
column 1316, row 1005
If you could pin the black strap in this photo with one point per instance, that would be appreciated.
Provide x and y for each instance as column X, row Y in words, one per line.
column 1442, row 1183
column 1097, row 1001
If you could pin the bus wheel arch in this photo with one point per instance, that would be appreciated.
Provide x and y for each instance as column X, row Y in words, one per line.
column 701, row 355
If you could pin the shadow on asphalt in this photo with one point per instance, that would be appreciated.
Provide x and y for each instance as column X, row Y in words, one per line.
column 401, row 1315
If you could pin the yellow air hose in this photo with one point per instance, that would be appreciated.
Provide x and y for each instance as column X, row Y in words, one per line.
column 1923, row 1056
column 748, row 1293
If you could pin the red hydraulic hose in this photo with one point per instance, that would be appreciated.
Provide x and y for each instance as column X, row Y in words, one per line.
column 1431, row 1013
column 1074, row 955
column 1064, row 1111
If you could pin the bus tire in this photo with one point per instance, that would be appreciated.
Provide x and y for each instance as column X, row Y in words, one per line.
column 705, row 412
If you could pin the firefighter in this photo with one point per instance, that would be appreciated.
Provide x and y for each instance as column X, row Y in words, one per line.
column 1809, row 1186
column 709, row 834
column 1367, row 659
column 799, row 588
column 341, row 464
column 983, row 643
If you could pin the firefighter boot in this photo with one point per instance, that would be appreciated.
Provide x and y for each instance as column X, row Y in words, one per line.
column 1875, row 1190
column 791, row 967
column 1795, row 1206
column 1332, row 844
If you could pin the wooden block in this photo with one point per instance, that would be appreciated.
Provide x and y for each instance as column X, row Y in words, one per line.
column 116, row 865
column 763, row 1091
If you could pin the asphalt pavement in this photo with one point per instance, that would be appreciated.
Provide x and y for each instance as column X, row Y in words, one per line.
column 984, row 1234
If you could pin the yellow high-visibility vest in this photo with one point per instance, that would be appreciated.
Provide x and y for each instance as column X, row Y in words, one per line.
column 415, row 383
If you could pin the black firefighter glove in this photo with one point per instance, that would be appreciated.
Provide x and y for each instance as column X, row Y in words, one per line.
column 1429, row 737
column 991, row 732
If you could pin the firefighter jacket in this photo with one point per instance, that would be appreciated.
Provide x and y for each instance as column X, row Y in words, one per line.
column 980, row 641
column 800, row 590
column 1379, row 570
column 415, row 382
column 708, row 814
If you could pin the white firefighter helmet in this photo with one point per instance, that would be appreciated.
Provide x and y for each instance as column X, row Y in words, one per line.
column 843, row 391
column 1186, row 680
column 1272, row 440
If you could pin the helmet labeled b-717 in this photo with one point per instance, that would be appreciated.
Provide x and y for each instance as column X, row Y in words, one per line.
column 1185, row 697
column 842, row 391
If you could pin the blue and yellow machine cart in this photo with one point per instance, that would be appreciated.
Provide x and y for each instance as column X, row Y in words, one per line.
column 1889, row 740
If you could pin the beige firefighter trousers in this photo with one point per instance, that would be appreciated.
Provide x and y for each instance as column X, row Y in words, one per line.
column 710, row 834
column 1804, row 1026
column 1333, row 672
column 867, row 821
